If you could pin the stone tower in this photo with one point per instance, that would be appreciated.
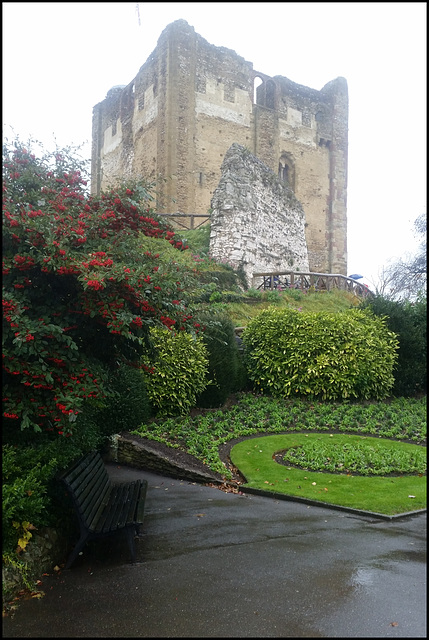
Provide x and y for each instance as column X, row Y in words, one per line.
column 191, row 101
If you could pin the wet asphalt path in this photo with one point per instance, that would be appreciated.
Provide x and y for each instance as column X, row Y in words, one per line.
column 215, row 564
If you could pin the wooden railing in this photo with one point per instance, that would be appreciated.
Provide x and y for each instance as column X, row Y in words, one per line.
column 309, row 281
column 186, row 220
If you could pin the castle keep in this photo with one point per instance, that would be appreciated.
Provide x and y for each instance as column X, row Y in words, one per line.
column 191, row 101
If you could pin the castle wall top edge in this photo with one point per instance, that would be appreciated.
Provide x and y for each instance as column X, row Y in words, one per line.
column 182, row 28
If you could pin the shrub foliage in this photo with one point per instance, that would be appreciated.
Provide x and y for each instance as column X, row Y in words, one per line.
column 226, row 369
column 83, row 283
column 409, row 322
column 79, row 288
column 178, row 372
column 350, row 354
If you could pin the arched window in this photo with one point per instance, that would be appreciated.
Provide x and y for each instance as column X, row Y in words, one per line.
column 284, row 173
column 286, row 170
column 264, row 93
column 256, row 84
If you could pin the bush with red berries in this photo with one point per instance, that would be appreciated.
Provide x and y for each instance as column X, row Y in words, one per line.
column 80, row 289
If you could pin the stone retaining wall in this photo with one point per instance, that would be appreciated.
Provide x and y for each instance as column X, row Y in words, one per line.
column 44, row 551
column 133, row 453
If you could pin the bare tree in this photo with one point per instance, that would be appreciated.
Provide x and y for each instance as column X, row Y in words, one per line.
column 406, row 278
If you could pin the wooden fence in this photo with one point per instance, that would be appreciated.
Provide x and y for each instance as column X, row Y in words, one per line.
column 309, row 281
column 186, row 220
column 282, row 279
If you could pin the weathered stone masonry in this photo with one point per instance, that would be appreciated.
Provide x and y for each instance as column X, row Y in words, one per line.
column 191, row 101
column 257, row 223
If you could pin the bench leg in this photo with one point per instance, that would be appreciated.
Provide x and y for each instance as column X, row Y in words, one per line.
column 74, row 554
column 131, row 543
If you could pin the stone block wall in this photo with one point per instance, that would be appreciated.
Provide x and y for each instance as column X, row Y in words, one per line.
column 257, row 223
column 191, row 101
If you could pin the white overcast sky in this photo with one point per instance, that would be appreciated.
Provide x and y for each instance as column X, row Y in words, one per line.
column 61, row 58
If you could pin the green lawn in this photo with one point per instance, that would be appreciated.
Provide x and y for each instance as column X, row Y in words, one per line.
column 398, row 425
column 389, row 494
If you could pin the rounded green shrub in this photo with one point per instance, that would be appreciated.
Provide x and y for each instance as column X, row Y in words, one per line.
column 178, row 373
column 226, row 370
column 348, row 354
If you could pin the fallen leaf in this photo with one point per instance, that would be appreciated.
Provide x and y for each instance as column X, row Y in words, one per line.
column 393, row 624
column 200, row 515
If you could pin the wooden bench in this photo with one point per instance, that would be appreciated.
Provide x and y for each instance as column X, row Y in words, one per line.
column 102, row 506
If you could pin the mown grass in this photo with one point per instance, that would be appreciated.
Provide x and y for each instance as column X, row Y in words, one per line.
column 387, row 494
column 254, row 302
column 399, row 419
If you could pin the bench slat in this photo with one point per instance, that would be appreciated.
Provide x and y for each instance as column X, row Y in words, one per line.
column 90, row 490
column 121, row 510
column 110, row 517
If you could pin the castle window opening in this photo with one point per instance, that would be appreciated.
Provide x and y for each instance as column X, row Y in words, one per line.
column 266, row 94
column 286, row 171
column 256, row 84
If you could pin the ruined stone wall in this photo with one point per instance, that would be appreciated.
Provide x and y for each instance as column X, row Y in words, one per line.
column 191, row 101
column 257, row 223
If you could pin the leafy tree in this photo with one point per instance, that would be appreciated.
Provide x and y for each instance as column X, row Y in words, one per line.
column 80, row 290
column 406, row 278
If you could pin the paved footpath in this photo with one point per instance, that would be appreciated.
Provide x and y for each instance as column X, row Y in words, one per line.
column 214, row 564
